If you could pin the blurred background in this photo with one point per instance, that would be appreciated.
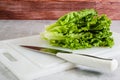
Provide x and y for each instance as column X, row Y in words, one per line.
column 21, row 18
column 53, row 9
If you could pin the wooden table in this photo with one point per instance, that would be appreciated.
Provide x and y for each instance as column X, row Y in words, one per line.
column 53, row 9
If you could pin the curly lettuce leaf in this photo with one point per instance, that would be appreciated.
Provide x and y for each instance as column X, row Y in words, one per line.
column 80, row 29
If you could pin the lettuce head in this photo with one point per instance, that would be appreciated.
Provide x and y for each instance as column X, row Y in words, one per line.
column 80, row 29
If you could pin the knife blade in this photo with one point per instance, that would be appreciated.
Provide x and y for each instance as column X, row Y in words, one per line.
column 95, row 62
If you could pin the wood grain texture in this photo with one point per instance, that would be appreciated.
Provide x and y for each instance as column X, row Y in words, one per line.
column 53, row 9
column 112, row 9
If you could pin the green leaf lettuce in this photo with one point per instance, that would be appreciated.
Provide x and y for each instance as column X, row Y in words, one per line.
column 80, row 29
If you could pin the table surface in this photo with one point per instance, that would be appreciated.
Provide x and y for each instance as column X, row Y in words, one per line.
column 10, row 29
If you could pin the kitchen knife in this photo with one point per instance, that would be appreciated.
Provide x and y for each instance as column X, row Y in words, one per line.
column 97, row 63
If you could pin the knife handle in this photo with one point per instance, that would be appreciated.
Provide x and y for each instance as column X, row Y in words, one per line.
column 97, row 63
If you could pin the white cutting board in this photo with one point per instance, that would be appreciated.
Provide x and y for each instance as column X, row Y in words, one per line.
column 29, row 65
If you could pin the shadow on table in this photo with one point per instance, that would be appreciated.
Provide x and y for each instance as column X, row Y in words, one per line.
column 87, row 72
